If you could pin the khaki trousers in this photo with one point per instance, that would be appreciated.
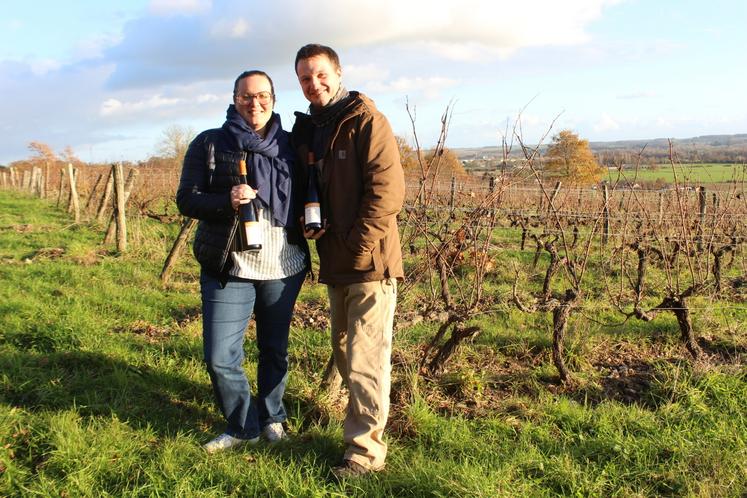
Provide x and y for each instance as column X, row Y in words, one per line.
column 362, row 320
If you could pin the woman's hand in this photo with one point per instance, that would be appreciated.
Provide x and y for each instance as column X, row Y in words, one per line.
column 241, row 194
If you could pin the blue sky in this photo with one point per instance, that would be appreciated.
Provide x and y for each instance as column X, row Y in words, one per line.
column 106, row 78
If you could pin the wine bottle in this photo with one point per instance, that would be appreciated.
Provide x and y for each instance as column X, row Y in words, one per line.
column 250, row 234
column 312, row 208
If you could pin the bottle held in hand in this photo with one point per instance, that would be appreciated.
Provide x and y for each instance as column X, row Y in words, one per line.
column 312, row 208
column 249, row 232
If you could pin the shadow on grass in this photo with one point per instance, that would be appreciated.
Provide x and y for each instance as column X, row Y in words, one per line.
column 98, row 385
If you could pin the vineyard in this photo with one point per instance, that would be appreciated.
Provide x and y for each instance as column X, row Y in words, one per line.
column 620, row 253
column 516, row 289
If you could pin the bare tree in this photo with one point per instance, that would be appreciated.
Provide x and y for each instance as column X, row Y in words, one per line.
column 174, row 142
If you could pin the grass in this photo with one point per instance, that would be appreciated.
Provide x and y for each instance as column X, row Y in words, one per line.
column 103, row 392
column 690, row 174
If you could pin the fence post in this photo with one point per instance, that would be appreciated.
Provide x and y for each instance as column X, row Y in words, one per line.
column 701, row 215
column 59, row 188
column 606, row 216
column 555, row 192
column 70, row 192
column 34, row 186
column 109, row 237
column 119, row 198
column 106, row 196
column 74, row 204
column 32, row 182
column 13, row 178
column 25, row 180
column 46, row 179
column 92, row 194
column 452, row 196
column 661, row 207
column 176, row 249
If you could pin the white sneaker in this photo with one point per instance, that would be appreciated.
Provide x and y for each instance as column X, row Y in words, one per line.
column 225, row 442
column 274, row 432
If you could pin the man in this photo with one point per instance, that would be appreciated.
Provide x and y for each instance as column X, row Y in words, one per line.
column 362, row 189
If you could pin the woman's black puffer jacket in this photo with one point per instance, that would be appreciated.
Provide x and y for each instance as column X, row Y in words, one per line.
column 211, row 169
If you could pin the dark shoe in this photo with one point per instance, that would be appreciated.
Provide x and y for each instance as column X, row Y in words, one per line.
column 349, row 470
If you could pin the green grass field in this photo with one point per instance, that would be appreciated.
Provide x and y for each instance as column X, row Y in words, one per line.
column 692, row 174
column 103, row 391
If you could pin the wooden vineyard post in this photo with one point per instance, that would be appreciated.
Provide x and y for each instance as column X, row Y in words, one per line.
column 45, row 189
column 452, row 196
column 74, row 203
column 606, row 216
column 59, row 187
column 113, row 220
column 555, row 192
column 119, row 210
column 93, row 192
column 701, row 215
column 176, row 249
column 661, row 207
column 107, row 195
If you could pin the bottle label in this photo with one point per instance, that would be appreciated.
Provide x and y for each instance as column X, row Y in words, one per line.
column 312, row 214
column 252, row 234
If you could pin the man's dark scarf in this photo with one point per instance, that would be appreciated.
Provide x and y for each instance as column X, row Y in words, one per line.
column 325, row 118
column 268, row 171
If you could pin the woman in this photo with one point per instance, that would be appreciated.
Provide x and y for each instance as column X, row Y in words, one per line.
column 234, row 282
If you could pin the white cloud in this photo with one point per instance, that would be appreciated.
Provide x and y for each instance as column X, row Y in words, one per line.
column 179, row 7
column 606, row 123
column 641, row 94
column 211, row 97
column 170, row 48
column 230, row 28
column 431, row 88
column 42, row 66
column 177, row 62
column 94, row 47
column 113, row 107
column 361, row 74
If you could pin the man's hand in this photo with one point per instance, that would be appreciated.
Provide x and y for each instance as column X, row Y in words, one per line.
column 311, row 234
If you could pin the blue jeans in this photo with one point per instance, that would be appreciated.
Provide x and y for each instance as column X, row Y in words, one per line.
column 225, row 316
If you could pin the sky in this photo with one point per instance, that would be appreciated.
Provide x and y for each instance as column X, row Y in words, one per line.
column 107, row 78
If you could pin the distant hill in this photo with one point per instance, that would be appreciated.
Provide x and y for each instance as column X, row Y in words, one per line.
column 739, row 140
column 707, row 148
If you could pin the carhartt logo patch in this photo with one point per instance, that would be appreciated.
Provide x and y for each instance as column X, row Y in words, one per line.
column 341, row 154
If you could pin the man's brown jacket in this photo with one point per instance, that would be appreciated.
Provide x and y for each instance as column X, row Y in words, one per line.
column 362, row 190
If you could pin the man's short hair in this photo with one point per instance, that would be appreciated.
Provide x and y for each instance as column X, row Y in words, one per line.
column 253, row 72
column 314, row 49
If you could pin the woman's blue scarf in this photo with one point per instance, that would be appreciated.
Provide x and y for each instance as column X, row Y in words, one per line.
column 268, row 167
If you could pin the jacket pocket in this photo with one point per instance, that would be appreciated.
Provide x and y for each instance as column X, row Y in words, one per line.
column 339, row 259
